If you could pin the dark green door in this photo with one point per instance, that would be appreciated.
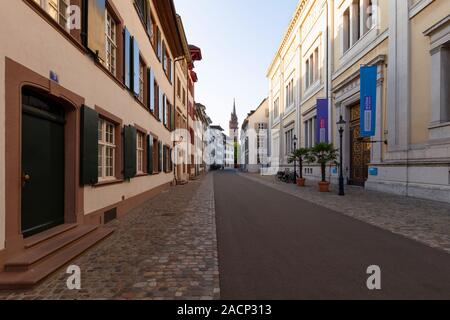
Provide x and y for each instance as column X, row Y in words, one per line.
column 42, row 166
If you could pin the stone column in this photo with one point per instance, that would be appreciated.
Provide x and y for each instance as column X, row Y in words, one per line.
column 377, row 148
column 398, row 76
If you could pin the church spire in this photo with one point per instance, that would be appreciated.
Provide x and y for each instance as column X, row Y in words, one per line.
column 234, row 119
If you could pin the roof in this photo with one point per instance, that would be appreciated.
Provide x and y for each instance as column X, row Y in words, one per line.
column 187, row 53
column 216, row 127
column 167, row 13
column 196, row 52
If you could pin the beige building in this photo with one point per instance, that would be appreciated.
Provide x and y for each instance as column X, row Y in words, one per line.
column 410, row 151
column 254, row 154
column 87, row 114
column 297, row 78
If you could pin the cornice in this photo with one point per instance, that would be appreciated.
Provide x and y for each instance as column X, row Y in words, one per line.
column 298, row 11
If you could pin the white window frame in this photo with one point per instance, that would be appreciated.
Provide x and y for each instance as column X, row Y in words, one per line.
column 106, row 143
column 55, row 5
column 111, row 43
column 140, row 151
column 141, row 81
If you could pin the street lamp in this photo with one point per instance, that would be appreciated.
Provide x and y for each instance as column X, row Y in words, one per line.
column 341, row 123
column 295, row 164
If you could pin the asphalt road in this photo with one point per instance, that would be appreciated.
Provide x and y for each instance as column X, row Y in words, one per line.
column 275, row 246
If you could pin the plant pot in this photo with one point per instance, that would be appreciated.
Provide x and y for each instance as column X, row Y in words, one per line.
column 301, row 182
column 324, row 186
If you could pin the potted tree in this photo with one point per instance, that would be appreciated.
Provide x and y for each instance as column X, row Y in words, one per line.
column 300, row 155
column 324, row 153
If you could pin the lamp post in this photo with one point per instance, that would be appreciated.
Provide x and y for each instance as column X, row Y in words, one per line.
column 295, row 161
column 341, row 123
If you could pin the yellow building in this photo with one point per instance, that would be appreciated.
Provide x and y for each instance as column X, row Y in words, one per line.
column 408, row 43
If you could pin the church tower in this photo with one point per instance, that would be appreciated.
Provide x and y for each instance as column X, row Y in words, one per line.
column 234, row 124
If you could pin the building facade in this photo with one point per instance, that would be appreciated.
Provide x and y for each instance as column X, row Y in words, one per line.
column 87, row 112
column 323, row 50
column 216, row 147
column 254, row 146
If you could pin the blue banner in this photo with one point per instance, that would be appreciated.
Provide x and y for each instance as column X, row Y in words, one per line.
column 368, row 91
column 322, row 121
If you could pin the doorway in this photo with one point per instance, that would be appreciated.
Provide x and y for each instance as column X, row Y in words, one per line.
column 359, row 150
column 43, row 162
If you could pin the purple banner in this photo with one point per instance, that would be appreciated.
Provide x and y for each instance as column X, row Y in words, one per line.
column 322, row 121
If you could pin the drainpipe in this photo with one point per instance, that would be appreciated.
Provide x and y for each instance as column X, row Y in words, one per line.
column 187, row 118
column 175, row 110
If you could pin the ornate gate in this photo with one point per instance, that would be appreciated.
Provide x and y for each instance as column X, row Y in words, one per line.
column 359, row 151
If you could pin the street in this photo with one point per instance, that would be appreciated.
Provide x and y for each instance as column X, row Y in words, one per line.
column 275, row 246
column 230, row 235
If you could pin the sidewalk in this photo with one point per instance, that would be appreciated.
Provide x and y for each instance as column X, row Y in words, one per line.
column 165, row 249
column 422, row 220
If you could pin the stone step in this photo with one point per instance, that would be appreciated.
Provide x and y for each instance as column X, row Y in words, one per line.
column 35, row 254
column 46, row 235
column 31, row 277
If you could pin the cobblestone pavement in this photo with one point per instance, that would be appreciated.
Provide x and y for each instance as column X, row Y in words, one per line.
column 164, row 249
column 422, row 220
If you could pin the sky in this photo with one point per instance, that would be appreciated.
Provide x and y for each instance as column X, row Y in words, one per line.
column 239, row 39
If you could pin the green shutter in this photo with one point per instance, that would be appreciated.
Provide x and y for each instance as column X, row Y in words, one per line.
column 160, row 155
column 129, row 148
column 170, row 160
column 164, row 158
column 172, row 117
column 150, row 154
column 89, row 146
column 95, row 25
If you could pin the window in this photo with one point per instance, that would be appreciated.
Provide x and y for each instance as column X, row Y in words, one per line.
column 368, row 16
column 289, row 139
column 158, row 44
column 346, row 30
column 141, row 6
column 57, row 9
column 184, row 97
column 316, row 65
column 310, row 126
column 106, row 150
column 166, row 61
column 140, row 138
column 357, row 20
column 178, row 87
column 276, row 108
column 355, row 17
column 290, row 94
column 312, row 69
column 111, row 43
column 142, row 74
column 156, row 97
column 307, row 82
column 439, row 35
